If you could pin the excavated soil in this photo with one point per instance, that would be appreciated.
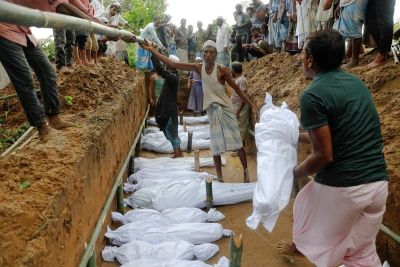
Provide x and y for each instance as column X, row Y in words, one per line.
column 47, row 220
column 282, row 77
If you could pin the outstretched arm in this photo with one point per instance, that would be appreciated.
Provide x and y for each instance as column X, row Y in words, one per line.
column 170, row 63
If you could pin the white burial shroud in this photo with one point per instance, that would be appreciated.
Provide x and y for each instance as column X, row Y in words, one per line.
column 166, row 251
column 169, row 216
column 276, row 136
column 199, row 131
column 147, row 178
column 159, row 143
column 189, row 193
column 194, row 233
column 171, row 164
column 223, row 262
column 189, row 120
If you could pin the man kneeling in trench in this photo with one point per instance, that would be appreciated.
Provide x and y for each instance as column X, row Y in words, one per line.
column 224, row 129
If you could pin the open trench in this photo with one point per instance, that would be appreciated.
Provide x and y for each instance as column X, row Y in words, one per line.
column 259, row 247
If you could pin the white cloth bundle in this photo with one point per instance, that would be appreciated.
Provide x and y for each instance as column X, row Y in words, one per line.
column 146, row 178
column 194, row 233
column 223, row 262
column 158, row 143
column 152, row 174
column 199, row 131
column 169, row 216
column 276, row 137
column 167, row 163
column 189, row 120
column 166, row 251
column 189, row 193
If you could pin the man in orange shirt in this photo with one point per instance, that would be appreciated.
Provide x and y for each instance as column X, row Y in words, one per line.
column 19, row 54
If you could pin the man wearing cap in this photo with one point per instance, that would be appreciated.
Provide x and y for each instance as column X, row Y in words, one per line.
column 224, row 128
column 167, row 107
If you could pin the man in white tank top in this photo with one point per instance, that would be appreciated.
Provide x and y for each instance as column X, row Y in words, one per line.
column 224, row 129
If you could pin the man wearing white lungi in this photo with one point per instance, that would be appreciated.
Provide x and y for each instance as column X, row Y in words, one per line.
column 224, row 128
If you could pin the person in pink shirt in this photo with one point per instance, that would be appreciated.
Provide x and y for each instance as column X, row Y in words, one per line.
column 19, row 53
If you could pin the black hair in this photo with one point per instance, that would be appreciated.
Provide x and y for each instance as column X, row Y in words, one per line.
column 237, row 67
column 327, row 49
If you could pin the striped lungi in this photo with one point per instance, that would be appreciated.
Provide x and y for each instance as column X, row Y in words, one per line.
column 224, row 129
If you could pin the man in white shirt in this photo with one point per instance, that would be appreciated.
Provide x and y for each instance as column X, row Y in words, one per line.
column 223, row 35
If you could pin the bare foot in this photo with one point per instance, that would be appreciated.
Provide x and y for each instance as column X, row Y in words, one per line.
column 288, row 249
column 378, row 61
column 177, row 154
column 353, row 63
column 46, row 132
column 56, row 123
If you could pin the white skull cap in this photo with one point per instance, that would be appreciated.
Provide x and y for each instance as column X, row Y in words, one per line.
column 173, row 58
column 210, row 43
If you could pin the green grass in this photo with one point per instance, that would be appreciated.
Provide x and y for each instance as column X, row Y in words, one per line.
column 8, row 137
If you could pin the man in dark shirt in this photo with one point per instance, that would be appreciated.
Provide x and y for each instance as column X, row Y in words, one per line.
column 337, row 215
column 167, row 107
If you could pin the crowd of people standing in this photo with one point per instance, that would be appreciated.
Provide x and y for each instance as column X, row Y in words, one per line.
column 283, row 25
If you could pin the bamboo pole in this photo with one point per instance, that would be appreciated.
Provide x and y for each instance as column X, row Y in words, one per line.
column 16, row 14
column 209, row 193
column 14, row 95
column 184, row 126
column 196, row 159
column 236, row 251
column 22, row 138
column 120, row 200
column 181, row 117
column 131, row 168
column 92, row 260
column 190, row 141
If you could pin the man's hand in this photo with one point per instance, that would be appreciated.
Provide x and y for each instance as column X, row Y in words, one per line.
column 328, row 4
column 130, row 39
column 146, row 45
column 256, row 116
column 226, row 49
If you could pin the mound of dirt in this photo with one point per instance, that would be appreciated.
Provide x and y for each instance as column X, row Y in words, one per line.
column 282, row 76
column 51, row 193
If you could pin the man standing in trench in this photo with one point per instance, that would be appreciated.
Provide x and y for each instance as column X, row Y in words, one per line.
column 224, row 129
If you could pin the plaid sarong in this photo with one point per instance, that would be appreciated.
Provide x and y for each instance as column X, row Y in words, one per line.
column 224, row 129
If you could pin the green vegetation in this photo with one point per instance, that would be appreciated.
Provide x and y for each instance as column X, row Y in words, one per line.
column 68, row 100
column 47, row 45
column 8, row 136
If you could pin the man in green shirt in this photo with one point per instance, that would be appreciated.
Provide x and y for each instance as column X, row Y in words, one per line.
column 337, row 215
